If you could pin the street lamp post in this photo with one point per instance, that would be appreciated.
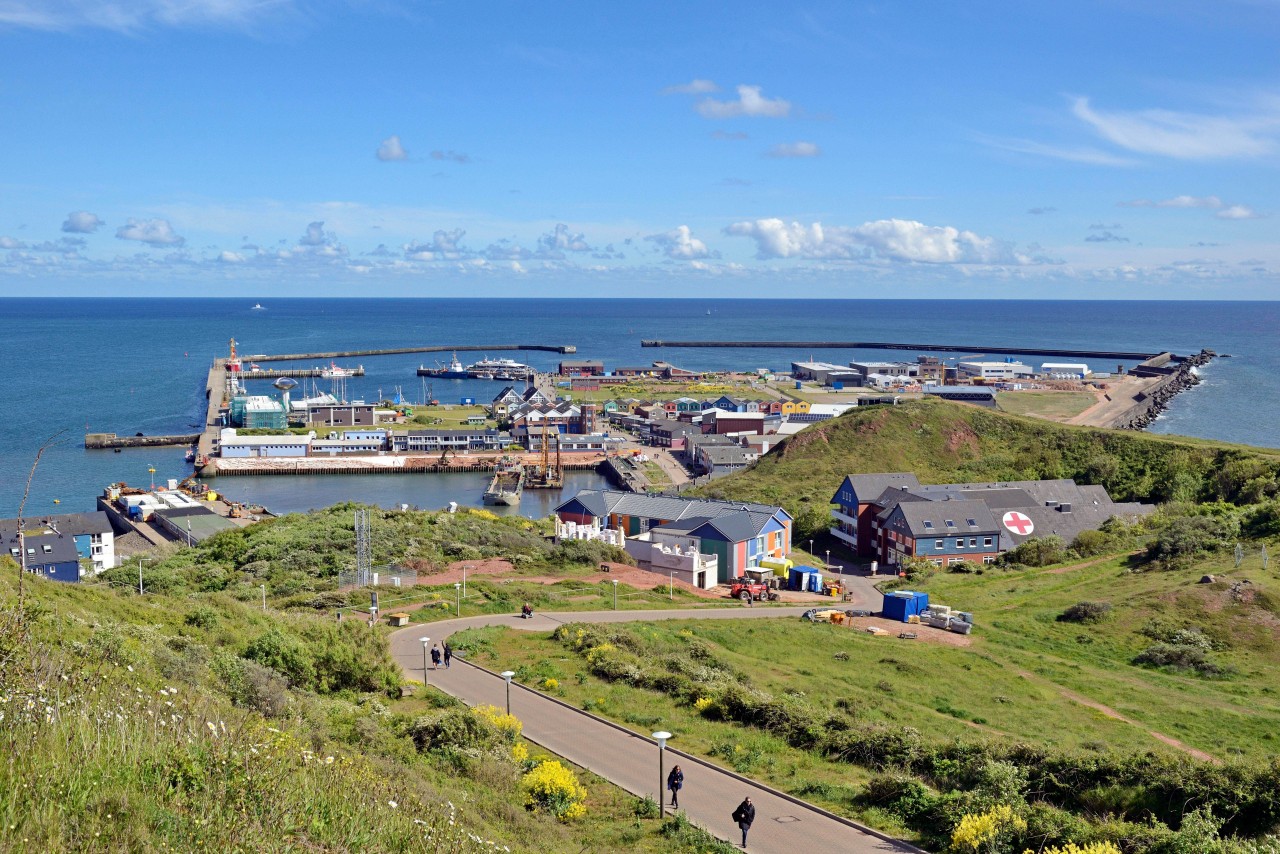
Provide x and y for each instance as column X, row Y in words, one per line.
column 506, row 677
column 464, row 579
column 458, row 589
column 828, row 558
column 811, row 547
column 426, row 646
column 140, row 560
column 662, row 737
column 671, row 584
column 615, row 594
column 264, row 596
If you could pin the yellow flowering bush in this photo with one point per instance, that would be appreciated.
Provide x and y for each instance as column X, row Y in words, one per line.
column 986, row 832
column 519, row 753
column 550, row 684
column 703, row 703
column 684, row 633
column 1072, row 848
column 599, row 651
column 555, row 789
column 508, row 726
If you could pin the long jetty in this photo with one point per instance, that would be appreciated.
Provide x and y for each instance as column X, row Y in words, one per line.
column 97, row 441
column 395, row 351
column 269, row 374
column 1122, row 355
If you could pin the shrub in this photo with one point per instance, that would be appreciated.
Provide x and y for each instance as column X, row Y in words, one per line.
column 1179, row 657
column 645, row 807
column 550, row 684
column 1086, row 612
column 203, row 617
column 1072, row 848
column 1037, row 551
column 990, row 831
column 554, row 789
column 286, row 656
column 1183, row 537
column 1094, row 543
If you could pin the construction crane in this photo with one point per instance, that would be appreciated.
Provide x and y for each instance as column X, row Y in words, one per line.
column 546, row 476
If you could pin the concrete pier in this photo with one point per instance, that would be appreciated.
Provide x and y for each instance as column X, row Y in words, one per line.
column 395, row 351
column 111, row 440
column 1121, row 355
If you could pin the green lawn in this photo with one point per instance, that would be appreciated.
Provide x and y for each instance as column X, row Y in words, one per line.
column 1051, row 405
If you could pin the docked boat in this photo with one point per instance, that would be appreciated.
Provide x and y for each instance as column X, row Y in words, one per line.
column 507, row 484
column 333, row 372
column 454, row 371
column 257, row 306
column 505, row 369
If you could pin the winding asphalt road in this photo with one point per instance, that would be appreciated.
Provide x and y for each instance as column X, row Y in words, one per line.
column 784, row 824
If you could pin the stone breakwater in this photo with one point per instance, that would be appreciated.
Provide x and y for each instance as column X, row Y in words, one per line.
column 1156, row 399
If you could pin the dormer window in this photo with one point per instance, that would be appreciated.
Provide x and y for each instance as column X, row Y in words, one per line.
column 928, row 526
column 950, row 524
column 973, row 523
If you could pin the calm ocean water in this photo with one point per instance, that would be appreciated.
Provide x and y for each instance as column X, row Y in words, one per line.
column 130, row 365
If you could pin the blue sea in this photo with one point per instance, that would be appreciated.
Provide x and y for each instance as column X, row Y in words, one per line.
column 139, row 365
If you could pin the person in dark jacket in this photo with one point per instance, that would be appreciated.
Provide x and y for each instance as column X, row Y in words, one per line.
column 435, row 657
column 675, row 780
column 744, row 815
column 448, row 655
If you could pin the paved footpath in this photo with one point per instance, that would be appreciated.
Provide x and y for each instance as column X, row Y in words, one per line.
column 629, row 759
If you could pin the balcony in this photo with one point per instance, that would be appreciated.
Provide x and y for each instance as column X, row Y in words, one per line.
column 842, row 517
column 848, row 539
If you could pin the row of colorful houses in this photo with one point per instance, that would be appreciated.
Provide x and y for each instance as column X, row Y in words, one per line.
column 739, row 535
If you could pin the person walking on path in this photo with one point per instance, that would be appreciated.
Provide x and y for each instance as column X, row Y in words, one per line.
column 435, row 657
column 448, row 655
column 675, row 780
column 744, row 815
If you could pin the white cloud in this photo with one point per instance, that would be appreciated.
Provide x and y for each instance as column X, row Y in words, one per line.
column 1213, row 203
column 153, row 232
column 795, row 149
column 561, row 239
column 390, row 150
column 455, row 156
column 693, row 87
column 749, row 103
column 443, row 247
column 314, row 235
column 889, row 239
column 81, row 222
column 1238, row 212
column 133, row 15
column 680, row 244
column 11, row 243
column 228, row 257
column 1186, row 136
column 1074, row 154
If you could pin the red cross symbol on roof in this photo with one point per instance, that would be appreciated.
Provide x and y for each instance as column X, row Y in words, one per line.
column 1018, row 523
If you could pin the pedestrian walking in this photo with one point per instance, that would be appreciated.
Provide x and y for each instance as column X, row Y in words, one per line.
column 675, row 780
column 435, row 657
column 744, row 815
column 448, row 656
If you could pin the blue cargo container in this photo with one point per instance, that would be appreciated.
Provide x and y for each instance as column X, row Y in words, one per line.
column 799, row 384
column 815, row 582
column 837, row 386
column 901, row 604
column 801, row 578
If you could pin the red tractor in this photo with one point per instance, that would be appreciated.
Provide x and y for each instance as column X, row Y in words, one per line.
column 752, row 586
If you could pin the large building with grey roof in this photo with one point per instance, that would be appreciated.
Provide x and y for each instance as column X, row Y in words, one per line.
column 740, row 534
column 890, row 516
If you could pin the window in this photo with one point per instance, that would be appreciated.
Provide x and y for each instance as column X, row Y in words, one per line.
column 972, row 523
column 950, row 524
column 47, row 549
column 936, row 561
column 959, row 542
column 928, row 526
column 986, row 541
column 989, row 559
column 937, row 544
column 973, row 542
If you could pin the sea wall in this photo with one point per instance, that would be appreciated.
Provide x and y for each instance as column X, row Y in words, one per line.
column 111, row 440
column 1149, row 404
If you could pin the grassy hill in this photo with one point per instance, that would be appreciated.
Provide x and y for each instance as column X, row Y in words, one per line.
column 190, row 718
column 1065, row 719
column 945, row 442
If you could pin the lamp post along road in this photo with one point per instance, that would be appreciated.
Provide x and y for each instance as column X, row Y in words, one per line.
column 458, row 589
column 662, row 737
column 426, row 646
column 615, row 594
column 506, row 677
column 264, row 597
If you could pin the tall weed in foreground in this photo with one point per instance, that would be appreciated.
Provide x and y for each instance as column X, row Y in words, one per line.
column 91, row 758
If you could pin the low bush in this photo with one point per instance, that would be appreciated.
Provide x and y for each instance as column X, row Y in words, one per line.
column 1179, row 657
column 553, row 788
column 1086, row 612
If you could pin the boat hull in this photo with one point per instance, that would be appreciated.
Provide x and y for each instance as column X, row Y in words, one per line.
column 502, row 499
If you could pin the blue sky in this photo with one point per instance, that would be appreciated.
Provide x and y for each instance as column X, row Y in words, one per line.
column 390, row 147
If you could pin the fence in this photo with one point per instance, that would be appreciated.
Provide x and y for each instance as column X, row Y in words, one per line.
column 387, row 575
